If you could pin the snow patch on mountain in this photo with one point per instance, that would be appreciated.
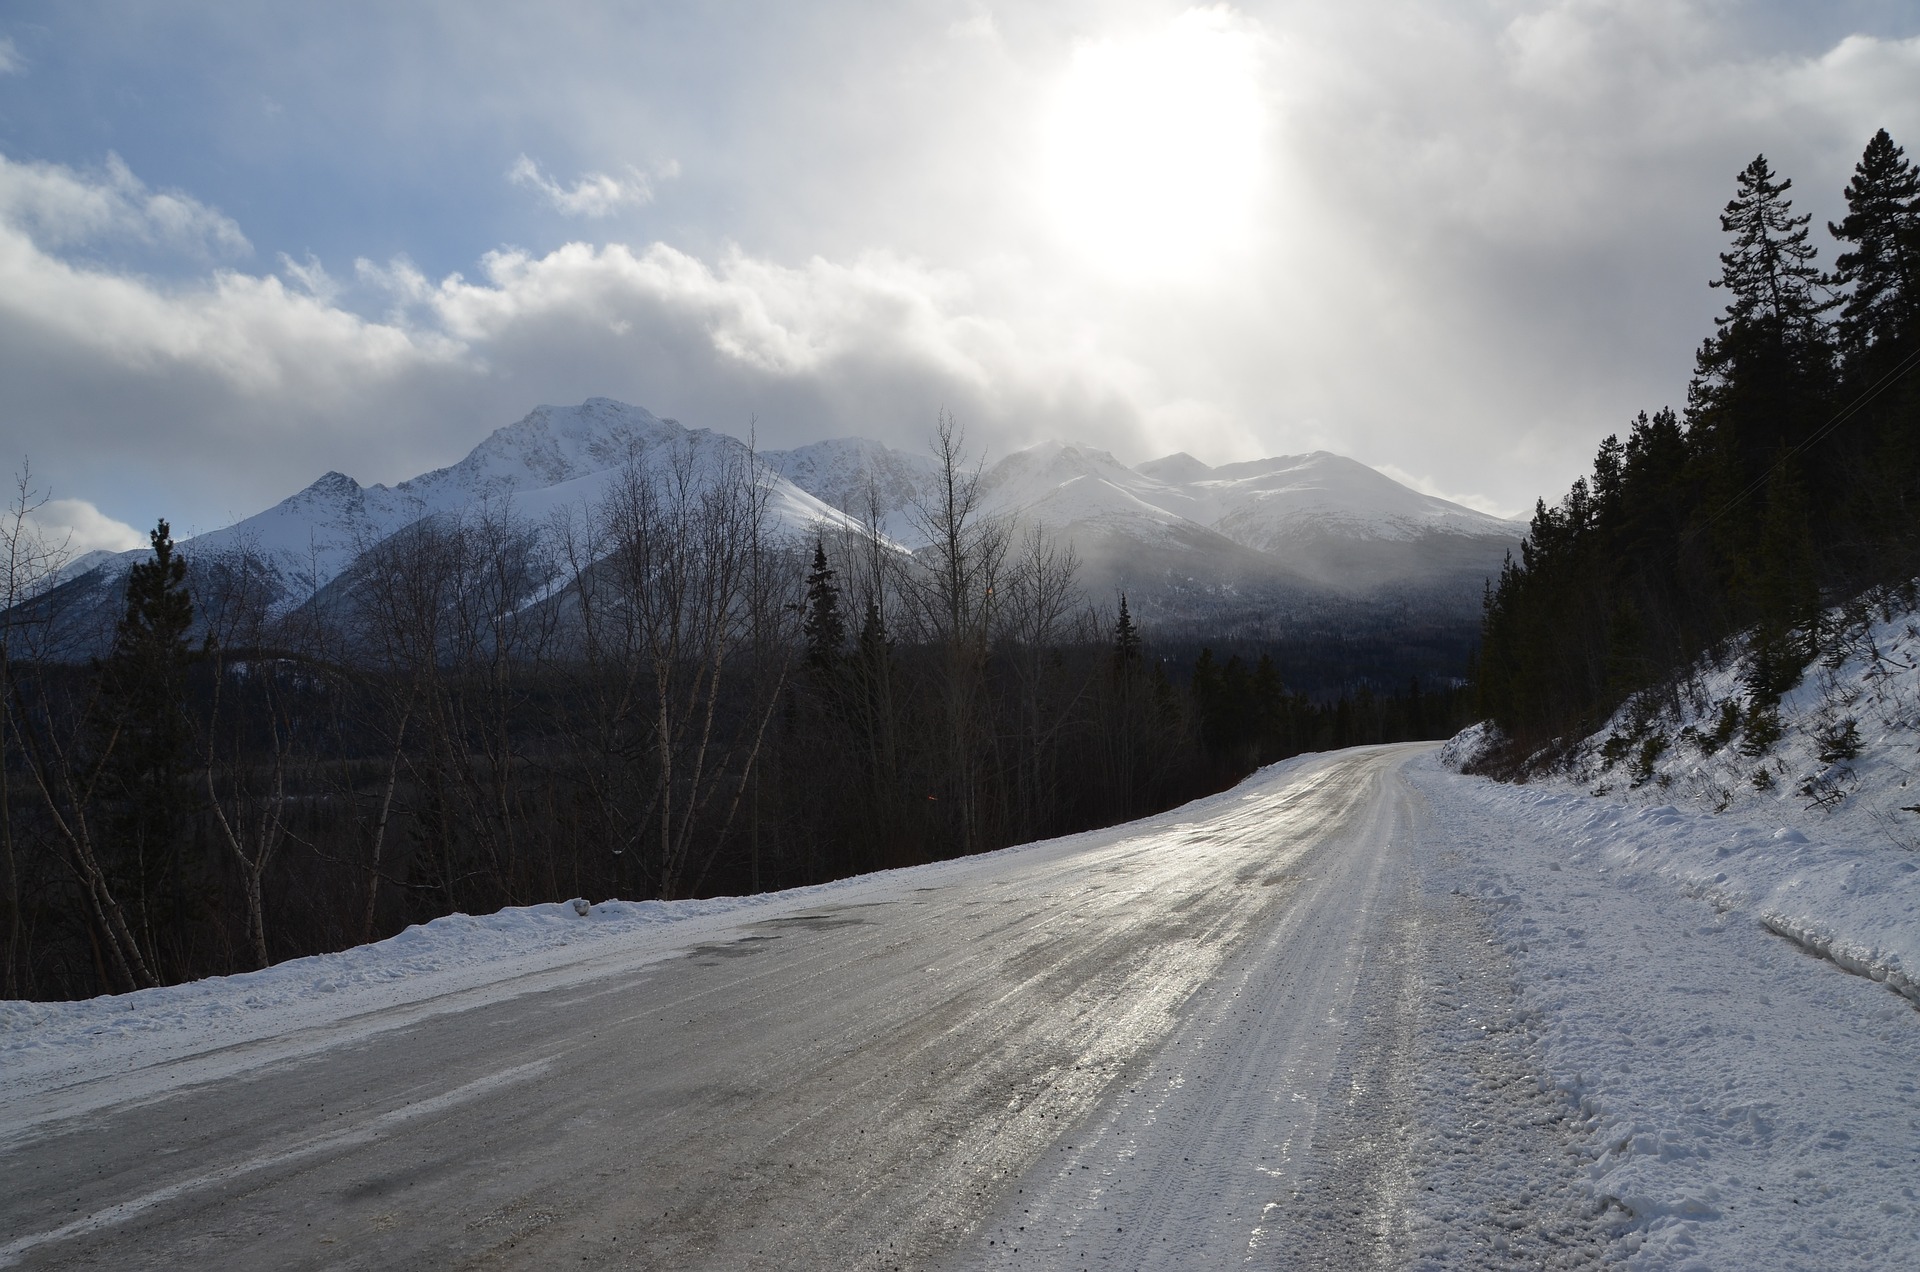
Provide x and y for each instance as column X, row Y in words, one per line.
column 1064, row 487
column 866, row 479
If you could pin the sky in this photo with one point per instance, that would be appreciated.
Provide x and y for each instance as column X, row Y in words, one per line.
column 1462, row 241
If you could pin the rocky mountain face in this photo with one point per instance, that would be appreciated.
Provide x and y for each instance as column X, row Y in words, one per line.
column 1262, row 548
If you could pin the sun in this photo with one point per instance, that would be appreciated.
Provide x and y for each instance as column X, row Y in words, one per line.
column 1151, row 149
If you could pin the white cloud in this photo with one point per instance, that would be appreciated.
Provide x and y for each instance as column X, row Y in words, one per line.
column 977, row 25
column 1484, row 243
column 11, row 62
column 594, row 195
column 227, row 392
column 59, row 207
column 311, row 277
column 78, row 526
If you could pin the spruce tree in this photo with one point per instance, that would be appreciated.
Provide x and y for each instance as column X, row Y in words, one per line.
column 824, row 627
column 1126, row 639
column 1764, row 381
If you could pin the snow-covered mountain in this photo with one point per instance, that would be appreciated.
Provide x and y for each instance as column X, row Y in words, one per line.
column 558, row 460
column 1192, row 545
column 865, row 478
column 1315, row 522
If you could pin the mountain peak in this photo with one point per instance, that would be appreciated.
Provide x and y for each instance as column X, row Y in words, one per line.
column 334, row 484
column 553, row 444
column 1177, row 468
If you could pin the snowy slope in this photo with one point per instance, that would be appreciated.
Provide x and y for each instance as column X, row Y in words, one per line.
column 1065, row 487
column 1816, row 832
column 1266, row 503
column 1739, row 1105
column 861, row 477
column 1768, row 1121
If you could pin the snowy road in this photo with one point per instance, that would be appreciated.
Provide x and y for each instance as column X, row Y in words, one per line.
column 1358, row 1012
column 951, row 1065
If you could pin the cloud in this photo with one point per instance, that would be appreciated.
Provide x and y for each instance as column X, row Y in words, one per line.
column 311, row 277
column 1425, row 485
column 230, row 390
column 594, row 195
column 59, row 207
column 77, row 526
column 1483, row 243
column 11, row 63
column 977, row 25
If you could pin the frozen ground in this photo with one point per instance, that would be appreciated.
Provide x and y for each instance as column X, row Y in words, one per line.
column 1359, row 1012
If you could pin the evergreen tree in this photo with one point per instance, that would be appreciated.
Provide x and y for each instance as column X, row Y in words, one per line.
column 824, row 628
column 1769, row 275
column 1126, row 639
column 1881, row 272
column 142, row 732
column 1764, row 380
column 874, row 646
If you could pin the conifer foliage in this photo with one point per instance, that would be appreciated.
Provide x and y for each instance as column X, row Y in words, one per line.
column 1792, row 477
column 1880, row 270
column 824, row 628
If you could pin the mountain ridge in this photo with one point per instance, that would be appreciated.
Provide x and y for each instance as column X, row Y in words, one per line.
column 1256, row 540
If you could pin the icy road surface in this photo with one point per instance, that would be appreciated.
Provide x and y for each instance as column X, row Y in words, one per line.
column 1357, row 1012
column 852, row 1080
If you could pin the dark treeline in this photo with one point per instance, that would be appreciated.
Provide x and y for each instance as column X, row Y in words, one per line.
column 655, row 697
column 1792, row 479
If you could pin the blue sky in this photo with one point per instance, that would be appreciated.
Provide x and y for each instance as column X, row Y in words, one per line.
column 239, row 246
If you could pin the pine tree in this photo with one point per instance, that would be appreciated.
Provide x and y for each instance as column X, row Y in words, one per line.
column 1769, row 275
column 824, row 628
column 1881, row 310
column 1764, row 381
column 875, row 646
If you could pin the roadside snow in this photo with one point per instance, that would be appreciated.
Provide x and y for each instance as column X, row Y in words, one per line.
column 1816, row 834
column 1747, row 1106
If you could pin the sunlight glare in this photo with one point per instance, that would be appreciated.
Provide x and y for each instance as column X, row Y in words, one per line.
column 1152, row 148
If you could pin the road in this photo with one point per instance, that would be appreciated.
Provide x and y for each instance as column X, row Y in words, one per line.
column 1112, row 1049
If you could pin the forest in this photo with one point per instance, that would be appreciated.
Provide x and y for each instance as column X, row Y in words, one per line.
column 1789, row 483
column 654, row 697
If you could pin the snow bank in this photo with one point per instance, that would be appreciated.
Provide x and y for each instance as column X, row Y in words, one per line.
column 1816, row 833
column 1746, row 1106
column 43, row 1043
column 1743, row 1105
